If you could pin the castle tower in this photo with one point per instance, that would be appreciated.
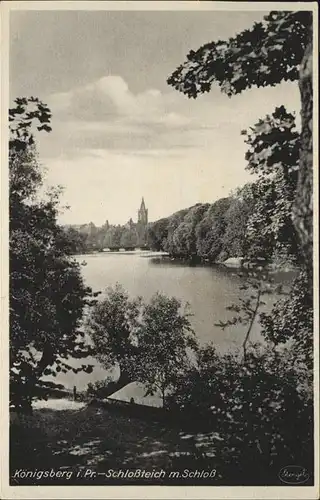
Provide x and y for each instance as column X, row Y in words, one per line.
column 142, row 224
column 143, row 214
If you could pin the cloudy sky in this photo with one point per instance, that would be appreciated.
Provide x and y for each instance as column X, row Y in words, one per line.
column 119, row 131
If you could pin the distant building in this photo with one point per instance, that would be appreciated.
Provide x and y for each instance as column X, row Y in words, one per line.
column 142, row 224
column 143, row 214
column 131, row 234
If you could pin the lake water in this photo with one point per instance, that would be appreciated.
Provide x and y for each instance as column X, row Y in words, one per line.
column 208, row 291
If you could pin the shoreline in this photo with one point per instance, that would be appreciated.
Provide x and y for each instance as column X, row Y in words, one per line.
column 236, row 263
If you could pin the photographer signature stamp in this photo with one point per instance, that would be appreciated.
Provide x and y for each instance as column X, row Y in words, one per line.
column 294, row 474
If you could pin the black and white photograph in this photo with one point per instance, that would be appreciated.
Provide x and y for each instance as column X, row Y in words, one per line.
column 159, row 289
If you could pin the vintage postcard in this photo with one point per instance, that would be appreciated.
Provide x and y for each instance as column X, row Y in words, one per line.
column 159, row 304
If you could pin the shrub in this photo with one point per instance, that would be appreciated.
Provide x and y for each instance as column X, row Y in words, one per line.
column 262, row 409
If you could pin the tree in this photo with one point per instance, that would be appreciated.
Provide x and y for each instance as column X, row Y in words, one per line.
column 112, row 325
column 108, row 238
column 76, row 240
column 184, row 237
column 100, row 237
column 277, row 49
column 174, row 221
column 268, row 53
column 113, row 236
column 129, row 238
column 211, row 229
column 235, row 241
column 47, row 293
column 157, row 234
column 273, row 155
column 260, row 410
column 291, row 319
column 246, row 311
column 148, row 342
column 91, row 233
column 303, row 206
column 165, row 342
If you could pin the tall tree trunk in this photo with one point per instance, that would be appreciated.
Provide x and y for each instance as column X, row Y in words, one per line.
column 303, row 206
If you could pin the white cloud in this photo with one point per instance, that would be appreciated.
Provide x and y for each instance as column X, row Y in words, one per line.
column 110, row 99
column 106, row 114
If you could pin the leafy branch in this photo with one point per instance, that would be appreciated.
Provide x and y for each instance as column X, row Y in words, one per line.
column 247, row 308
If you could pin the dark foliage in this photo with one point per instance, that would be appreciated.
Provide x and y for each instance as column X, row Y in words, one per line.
column 261, row 410
column 268, row 53
column 47, row 293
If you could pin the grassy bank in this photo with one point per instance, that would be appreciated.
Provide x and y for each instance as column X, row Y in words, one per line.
column 90, row 437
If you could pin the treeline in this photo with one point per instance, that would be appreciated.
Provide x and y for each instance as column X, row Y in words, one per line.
column 208, row 231
column 214, row 232
column 90, row 238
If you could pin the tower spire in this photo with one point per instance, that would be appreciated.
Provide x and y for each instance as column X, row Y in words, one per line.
column 143, row 213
